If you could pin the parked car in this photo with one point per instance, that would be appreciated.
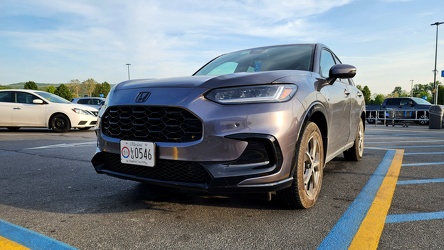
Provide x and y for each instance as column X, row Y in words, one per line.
column 95, row 102
column 265, row 119
column 32, row 108
column 402, row 108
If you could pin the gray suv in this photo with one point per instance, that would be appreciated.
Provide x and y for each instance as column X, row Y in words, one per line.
column 265, row 119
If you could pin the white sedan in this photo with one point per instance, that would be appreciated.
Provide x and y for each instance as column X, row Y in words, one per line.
column 34, row 108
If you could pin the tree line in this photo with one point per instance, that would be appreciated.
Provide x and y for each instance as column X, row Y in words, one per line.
column 73, row 88
column 424, row 91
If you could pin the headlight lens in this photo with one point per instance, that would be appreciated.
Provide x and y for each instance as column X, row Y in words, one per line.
column 81, row 111
column 253, row 94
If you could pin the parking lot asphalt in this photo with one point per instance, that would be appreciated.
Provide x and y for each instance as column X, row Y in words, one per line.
column 404, row 194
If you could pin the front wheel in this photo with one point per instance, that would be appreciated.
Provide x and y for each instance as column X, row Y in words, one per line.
column 308, row 170
column 60, row 123
column 355, row 153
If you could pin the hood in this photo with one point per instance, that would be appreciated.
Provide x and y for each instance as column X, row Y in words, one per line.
column 210, row 82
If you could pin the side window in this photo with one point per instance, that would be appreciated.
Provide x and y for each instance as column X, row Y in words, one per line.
column 327, row 62
column 393, row 102
column 95, row 101
column 25, row 98
column 83, row 101
column 7, row 96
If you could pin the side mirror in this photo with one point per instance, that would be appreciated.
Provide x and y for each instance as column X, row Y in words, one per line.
column 341, row 71
column 37, row 101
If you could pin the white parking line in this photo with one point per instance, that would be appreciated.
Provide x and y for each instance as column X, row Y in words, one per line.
column 64, row 145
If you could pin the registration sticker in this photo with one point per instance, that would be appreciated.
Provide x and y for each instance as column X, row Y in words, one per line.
column 137, row 153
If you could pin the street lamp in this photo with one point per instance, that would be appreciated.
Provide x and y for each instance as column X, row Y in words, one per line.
column 435, row 87
column 128, row 64
column 411, row 89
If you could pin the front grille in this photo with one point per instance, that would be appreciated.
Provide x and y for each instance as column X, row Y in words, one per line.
column 165, row 170
column 151, row 123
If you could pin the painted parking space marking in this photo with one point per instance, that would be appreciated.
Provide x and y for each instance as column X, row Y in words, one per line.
column 422, row 164
column 398, row 218
column 64, row 145
column 425, row 153
column 358, row 220
column 23, row 238
column 423, row 181
column 10, row 245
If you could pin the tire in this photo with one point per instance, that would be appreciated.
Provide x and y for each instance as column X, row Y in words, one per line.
column 60, row 123
column 308, row 170
column 355, row 153
column 13, row 128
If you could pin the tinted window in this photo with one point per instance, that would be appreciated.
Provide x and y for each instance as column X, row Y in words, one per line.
column 392, row 102
column 23, row 97
column 83, row 101
column 7, row 96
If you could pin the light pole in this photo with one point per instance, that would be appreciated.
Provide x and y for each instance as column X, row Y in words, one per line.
column 128, row 64
column 435, row 87
column 411, row 89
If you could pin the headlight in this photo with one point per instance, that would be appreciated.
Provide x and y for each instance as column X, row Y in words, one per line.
column 81, row 111
column 253, row 94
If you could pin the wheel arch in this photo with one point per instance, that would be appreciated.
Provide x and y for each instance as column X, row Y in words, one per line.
column 58, row 113
column 317, row 113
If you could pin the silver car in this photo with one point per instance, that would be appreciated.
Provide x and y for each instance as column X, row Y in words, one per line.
column 265, row 119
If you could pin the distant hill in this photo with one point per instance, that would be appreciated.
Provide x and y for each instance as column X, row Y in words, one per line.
column 20, row 85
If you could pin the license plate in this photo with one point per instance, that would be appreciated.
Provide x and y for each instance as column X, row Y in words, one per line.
column 138, row 153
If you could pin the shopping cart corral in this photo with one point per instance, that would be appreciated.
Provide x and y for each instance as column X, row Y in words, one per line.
column 393, row 117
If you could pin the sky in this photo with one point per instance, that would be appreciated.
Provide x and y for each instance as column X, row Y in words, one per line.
column 390, row 42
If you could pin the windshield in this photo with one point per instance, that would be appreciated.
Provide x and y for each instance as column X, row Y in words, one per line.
column 422, row 101
column 285, row 57
column 51, row 97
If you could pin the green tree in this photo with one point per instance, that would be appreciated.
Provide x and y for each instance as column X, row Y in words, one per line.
column 31, row 85
column 88, row 86
column 64, row 92
column 379, row 99
column 102, row 88
column 51, row 89
column 367, row 94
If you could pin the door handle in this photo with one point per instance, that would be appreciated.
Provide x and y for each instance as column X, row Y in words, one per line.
column 18, row 108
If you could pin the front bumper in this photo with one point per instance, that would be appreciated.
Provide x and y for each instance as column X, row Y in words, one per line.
column 215, row 177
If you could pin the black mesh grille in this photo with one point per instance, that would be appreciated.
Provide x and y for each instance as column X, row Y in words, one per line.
column 151, row 123
column 165, row 170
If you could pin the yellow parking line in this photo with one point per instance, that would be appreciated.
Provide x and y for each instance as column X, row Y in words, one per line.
column 371, row 228
column 10, row 245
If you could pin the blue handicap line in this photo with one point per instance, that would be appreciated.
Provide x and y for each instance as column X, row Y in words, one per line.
column 422, row 164
column 342, row 234
column 423, row 181
column 398, row 218
column 30, row 239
